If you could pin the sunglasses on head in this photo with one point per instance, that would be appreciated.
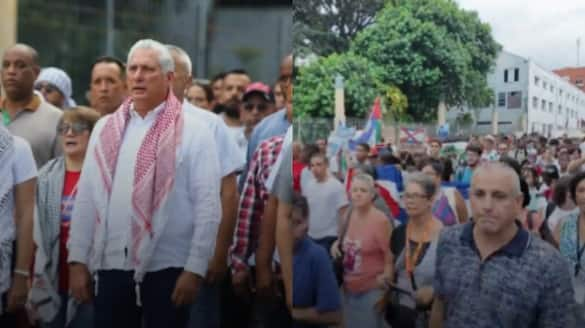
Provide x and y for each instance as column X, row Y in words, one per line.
column 77, row 128
column 250, row 107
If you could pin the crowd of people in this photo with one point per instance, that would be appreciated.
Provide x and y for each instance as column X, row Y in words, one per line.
column 161, row 203
column 424, row 236
column 171, row 202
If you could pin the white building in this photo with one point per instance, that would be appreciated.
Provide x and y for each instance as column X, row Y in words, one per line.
column 529, row 98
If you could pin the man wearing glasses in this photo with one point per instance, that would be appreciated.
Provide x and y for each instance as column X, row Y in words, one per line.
column 55, row 85
column 257, row 103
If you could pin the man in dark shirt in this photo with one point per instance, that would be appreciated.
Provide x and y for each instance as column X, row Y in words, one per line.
column 493, row 273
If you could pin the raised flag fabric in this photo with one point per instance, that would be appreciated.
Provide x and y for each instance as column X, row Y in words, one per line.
column 372, row 133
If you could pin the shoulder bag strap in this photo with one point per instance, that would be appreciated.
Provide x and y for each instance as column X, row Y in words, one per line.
column 344, row 228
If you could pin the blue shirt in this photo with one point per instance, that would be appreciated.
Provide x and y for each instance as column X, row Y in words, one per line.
column 465, row 177
column 272, row 125
column 314, row 283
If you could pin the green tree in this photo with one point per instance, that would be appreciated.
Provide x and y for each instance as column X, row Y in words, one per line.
column 314, row 93
column 395, row 105
column 323, row 27
column 431, row 50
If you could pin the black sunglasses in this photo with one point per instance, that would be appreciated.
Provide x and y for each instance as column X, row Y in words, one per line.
column 77, row 128
column 250, row 107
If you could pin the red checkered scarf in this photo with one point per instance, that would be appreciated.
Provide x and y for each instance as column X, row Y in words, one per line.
column 155, row 164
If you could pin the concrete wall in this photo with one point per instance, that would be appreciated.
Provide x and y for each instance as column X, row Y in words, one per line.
column 254, row 39
column 8, row 20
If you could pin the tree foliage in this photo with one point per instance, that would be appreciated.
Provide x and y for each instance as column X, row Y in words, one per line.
column 323, row 27
column 315, row 94
column 395, row 104
column 431, row 50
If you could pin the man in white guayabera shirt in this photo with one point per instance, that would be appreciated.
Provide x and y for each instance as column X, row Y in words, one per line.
column 147, row 210
column 205, row 310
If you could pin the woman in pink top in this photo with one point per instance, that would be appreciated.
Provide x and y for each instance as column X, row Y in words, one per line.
column 367, row 262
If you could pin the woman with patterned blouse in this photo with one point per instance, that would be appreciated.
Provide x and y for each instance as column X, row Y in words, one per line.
column 367, row 261
column 570, row 235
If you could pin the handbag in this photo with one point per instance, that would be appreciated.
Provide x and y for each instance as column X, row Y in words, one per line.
column 398, row 315
column 338, row 262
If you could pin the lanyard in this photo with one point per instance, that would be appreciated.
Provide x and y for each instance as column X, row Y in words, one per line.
column 580, row 249
column 5, row 118
column 410, row 261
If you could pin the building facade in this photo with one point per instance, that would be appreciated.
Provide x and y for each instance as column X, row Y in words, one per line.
column 575, row 75
column 529, row 98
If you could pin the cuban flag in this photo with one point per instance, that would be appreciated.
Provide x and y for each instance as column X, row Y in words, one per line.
column 389, row 186
column 372, row 133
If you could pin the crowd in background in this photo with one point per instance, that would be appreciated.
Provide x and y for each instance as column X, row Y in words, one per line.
column 424, row 235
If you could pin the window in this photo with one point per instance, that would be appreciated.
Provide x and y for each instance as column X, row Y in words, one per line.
column 502, row 99
column 535, row 102
column 505, row 75
column 544, row 85
column 516, row 74
column 579, row 83
column 552, row 88
column 536, row 81
column 550, row 107
column 543, row 105
column 515, row 100
column 560, row 92
column 560, row 109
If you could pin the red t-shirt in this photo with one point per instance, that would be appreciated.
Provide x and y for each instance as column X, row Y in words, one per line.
column 67, row 200
column 297, row 170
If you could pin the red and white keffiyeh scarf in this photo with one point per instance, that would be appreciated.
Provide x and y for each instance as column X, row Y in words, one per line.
column 155, row 166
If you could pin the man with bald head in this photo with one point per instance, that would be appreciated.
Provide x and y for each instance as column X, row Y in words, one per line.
column 491, row 272
column 25, row 113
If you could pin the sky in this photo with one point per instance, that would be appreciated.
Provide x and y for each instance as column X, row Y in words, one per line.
column 545, row 31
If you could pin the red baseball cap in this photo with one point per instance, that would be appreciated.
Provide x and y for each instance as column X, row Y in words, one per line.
column 258, row 88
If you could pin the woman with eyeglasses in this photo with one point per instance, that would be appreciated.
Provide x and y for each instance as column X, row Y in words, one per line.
column 367, row 262
column 57, row 188
column 413, row 246
column 570, row 235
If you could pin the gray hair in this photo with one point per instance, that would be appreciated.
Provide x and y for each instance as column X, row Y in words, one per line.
column 183, row 55
column 164, row 56
column 503, row 169
column 367, row 179
column 426, row 182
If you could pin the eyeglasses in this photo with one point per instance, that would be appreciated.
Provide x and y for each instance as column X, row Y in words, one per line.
column 408, row 196
column 48, row 87
column 250, row 107
column 77, row 128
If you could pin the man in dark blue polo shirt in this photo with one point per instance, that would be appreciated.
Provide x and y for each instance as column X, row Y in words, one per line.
column 316, row 299
column 493, row 273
